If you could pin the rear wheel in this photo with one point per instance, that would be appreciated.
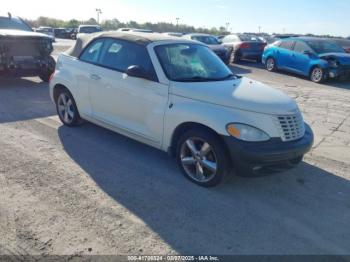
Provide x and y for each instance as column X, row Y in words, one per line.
column 317, row 75
column 67, row 109
column 271, row 64
column 202, row 157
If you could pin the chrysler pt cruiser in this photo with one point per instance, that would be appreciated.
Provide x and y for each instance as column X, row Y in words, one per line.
column 178, row 96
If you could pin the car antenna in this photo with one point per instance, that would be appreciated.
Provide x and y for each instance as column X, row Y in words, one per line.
column 9, row 14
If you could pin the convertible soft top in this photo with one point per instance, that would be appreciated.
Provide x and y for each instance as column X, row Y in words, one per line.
column 137, row 37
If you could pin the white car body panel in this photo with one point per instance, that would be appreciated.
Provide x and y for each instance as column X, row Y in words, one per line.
column 151, row 111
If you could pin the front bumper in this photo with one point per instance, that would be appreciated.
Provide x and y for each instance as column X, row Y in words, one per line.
column 25, row 67
column 270, row 156
column 341, row 71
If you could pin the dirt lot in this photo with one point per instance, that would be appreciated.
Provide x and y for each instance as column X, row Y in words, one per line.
column 87, row 190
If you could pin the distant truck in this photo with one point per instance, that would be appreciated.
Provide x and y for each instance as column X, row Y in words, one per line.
column 24, row 52
column 87, row 29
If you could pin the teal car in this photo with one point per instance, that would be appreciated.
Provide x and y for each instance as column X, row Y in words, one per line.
column 316, row 58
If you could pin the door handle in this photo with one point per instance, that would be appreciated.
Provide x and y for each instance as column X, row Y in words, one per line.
column 95, row 77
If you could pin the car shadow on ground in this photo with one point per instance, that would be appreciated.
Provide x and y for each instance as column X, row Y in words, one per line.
column 302, row 211
column 24, row 99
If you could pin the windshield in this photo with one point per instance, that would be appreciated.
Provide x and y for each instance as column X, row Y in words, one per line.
column 191, row 63
column 208, row 40
column 249, row 38
column 89, row 29
column 13, row 23
column 323, row 46
column 342, row 42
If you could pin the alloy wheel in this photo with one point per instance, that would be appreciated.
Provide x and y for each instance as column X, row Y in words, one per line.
column 65, row 108
column 270, row 64
column 317, row 75
column 198, row 159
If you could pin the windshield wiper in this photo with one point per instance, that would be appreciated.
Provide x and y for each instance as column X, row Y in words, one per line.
column 196, row 79
column 204, row 79
column 229, row 76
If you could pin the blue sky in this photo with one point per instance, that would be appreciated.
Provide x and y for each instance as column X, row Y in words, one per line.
column 291, row 16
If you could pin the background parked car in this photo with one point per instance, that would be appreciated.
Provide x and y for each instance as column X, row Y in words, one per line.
column 212, row 42
column 134, row 30
column 315, row 58
column 47, row 31
column 243, row 46
column 173, row 34
column 344, row 43
column 24, row 52
column 88, row 29
column 63, row 33
column 74, row 32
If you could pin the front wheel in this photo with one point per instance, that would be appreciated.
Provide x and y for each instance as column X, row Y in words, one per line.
column 271, row 64
column 202, row 157
column 317, row 75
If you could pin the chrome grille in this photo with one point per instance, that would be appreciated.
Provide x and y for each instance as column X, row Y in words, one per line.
column 291, row 127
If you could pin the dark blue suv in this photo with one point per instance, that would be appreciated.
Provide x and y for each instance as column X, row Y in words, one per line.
column 316, row 58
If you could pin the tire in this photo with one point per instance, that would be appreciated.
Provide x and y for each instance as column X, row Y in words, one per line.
column 317, row 75
column 271, row 64
column 45, row 75
column 67, row 109
column 202, row 157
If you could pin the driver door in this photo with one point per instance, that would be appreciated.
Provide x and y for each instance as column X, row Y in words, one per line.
column 136, row 106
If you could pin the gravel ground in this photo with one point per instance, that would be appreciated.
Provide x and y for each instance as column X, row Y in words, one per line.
column 87, row 190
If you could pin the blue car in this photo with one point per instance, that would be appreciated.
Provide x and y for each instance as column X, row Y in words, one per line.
column 316, row 58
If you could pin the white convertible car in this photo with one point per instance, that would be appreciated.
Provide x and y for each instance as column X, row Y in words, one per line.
column 178, row 96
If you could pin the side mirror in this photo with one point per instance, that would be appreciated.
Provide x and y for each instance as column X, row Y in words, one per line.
column 136, row 71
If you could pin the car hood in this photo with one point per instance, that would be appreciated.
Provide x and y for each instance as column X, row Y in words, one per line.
column 217, row 48
column 20, row 33
column 242, row 93
column 343, row 58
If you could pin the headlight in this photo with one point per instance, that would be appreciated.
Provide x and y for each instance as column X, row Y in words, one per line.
column 246, row 132
column 333, row 64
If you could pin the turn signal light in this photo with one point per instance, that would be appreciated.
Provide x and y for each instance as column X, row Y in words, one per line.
column 233, row 131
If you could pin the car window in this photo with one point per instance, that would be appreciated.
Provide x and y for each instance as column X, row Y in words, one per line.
column 119, row 55
column 249, row 38
column 301, row 47
column 209, row 40
column 92, row 52
column 287, row 45
column 13, row 23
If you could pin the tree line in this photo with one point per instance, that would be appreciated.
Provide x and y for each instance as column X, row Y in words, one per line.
column 114, row 24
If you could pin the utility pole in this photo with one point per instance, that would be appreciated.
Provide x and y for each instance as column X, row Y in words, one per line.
column 99, row 12
column 177, row 23
column 259, row 29
column 227, row 25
